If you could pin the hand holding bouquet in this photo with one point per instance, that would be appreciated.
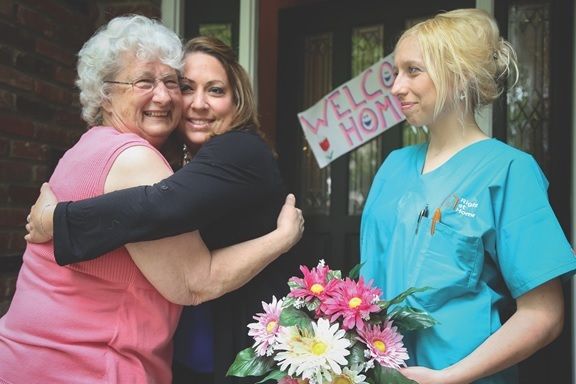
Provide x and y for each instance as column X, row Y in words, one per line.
column 330, row 330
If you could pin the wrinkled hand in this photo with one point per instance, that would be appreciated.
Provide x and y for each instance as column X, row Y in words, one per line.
column 291, row 221
column 39, row 220
column 423, row 375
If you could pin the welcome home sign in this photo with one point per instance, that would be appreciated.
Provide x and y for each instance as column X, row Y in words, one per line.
column 352, row 114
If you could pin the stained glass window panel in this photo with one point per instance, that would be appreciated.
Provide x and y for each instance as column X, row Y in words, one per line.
column 316, row 182
column 528, row 115
column 367, row 48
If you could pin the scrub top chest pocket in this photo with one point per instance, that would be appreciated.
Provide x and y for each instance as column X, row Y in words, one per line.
column 446, row 261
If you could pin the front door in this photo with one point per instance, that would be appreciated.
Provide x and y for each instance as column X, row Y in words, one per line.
column 322, row 46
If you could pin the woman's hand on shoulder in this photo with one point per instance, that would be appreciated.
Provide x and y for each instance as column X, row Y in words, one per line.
column 39, row 220
column 290, row 222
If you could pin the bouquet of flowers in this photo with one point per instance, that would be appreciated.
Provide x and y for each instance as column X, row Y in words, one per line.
column 330, row 330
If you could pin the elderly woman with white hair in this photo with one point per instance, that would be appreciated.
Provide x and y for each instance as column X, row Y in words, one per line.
column 112, row 319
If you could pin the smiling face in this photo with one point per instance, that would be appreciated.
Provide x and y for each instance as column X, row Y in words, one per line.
column 152, row 114
column 207, row 99
column 413, row 85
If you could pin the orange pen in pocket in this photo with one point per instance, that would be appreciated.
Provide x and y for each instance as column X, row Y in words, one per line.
column 436, row 218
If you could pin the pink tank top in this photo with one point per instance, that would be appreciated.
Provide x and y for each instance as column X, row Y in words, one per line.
column 98, row 321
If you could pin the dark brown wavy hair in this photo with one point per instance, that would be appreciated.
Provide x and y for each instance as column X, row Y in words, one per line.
column 246, row 115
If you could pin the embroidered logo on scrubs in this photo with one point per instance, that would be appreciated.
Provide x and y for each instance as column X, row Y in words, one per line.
column 463, row 206
column 466, row 207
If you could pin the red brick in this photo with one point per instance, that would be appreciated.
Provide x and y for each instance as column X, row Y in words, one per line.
column 53, row 134
column 12, row 217
column 7, row 8
column 148, row 10
column 70, row 100
column 5, row 238
column 17, row 242
column 16, row 125
column 34, row 65
column 41, row 173
column 74, row 35
column 68, row 118
column 16, row 37
column 13, row 171
column 3, row 148
column 64, row 75
column 7, row 55
column 3, row 192
column 74, row 134
column 56, row 10
column 22, row 195
column 7, row 286
column 6, row 100
column 28, row 150
column 67, row 26
column 52, row 93
column 55, row 52
column 15, row 78
column 33, row 108
column 34, row 21
column 11, row 262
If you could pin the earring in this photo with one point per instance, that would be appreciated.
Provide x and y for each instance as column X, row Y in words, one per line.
column 186, row 158
column 462, row 96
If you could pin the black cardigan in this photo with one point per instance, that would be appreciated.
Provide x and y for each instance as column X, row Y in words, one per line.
column 232, row 173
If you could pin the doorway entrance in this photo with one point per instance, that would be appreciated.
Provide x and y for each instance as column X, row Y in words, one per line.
column 326, row 44
column 321, row 47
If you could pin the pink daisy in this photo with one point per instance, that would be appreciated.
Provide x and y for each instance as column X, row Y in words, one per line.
column 385, row 345
column 313, row 285
column 352, row 300
column 265, row 330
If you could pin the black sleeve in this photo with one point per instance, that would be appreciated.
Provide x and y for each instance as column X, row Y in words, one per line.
column 231, row 169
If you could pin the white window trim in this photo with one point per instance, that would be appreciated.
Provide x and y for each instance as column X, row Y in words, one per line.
column 248, row 40
column 173, row 17
column 484, row 117
column 172, row 12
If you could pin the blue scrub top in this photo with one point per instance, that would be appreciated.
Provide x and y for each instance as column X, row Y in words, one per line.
column 497, row 239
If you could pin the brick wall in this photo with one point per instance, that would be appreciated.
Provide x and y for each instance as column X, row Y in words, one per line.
column 39, row 109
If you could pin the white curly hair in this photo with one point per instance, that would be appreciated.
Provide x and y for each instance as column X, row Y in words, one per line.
column 100, row 58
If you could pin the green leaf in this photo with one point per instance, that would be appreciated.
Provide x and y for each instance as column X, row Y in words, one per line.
column 355, row 271
column 248, row 364
column 334, row 274
column 274, row 375
column 356, row 355
column 383, row 304
column 410, row 291
column 411, row 319
column 384, row 375
column 294, row 317
column 288, row 302
column 312, row 305
column 293, row 285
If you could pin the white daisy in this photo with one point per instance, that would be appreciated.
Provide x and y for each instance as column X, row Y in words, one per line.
column 316, row 357
column 350, row 376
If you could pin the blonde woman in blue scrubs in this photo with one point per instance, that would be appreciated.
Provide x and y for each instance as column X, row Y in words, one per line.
column 464, row 214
